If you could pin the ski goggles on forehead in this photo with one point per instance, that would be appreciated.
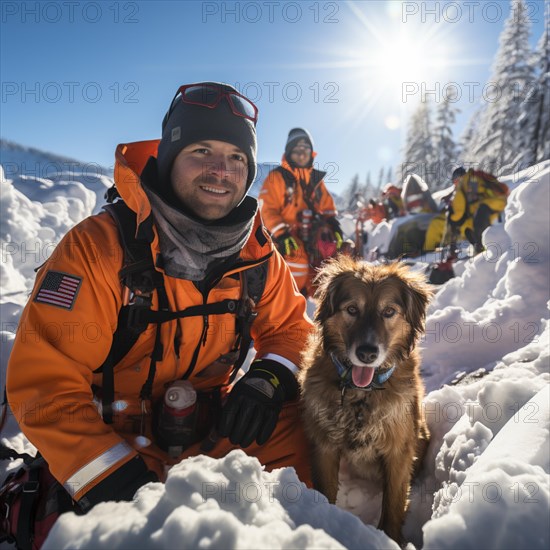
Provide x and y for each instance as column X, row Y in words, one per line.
column 209, row 96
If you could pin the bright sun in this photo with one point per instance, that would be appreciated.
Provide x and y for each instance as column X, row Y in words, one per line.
column 392, row 66
column 402, row 60
column 406, row 57
column 394, row 54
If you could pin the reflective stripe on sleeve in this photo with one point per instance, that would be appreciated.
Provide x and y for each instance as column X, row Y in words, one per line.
column 83, row 477
column 283, row 360
column 278, row 227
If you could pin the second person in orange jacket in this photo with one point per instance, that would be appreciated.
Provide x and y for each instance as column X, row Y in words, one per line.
column 299, row 211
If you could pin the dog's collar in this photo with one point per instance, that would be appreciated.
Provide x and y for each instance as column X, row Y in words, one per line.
column 378, row 381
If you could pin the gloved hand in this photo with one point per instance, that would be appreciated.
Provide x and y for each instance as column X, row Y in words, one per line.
column 337, row 229
column 253, row 405
column 286, row 243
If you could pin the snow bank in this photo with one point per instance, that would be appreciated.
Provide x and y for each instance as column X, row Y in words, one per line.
column 504, row 498
column 35, row 213
column 229, row 503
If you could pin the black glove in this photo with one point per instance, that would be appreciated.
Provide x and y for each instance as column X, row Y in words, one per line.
column 254, row 404
column 286, row 243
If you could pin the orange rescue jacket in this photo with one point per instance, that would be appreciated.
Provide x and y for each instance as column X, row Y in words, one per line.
column 56, row 349
column 281, row 204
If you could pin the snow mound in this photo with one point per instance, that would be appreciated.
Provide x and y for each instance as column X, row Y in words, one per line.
column 230, row 503
column 504, row 498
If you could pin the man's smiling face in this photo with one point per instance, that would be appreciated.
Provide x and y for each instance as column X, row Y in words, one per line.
column 209, row 178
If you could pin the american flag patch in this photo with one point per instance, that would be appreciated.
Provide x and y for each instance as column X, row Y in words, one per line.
column 59, row 289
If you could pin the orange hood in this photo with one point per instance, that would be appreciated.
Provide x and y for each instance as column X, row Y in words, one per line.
column 130, row 159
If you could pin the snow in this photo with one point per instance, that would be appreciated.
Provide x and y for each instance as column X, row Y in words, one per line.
column 485, row 478
column 502, row 499
column 208, row 503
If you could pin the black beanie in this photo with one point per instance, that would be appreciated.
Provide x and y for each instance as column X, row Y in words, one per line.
column 187, row 124
column 458, row 172
column 295, row 135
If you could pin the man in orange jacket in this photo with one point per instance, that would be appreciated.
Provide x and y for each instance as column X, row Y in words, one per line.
column 188, row 194
column 299, row 211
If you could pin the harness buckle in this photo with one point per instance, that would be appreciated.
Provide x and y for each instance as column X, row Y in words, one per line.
column 139, row 304
column 31, row 486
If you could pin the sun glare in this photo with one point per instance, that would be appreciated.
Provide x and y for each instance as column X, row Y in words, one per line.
column 401, row 60
column 396, row 58
column 392, row 64
column 389, row 59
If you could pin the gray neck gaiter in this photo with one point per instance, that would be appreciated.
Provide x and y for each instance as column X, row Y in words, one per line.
column 189, row 248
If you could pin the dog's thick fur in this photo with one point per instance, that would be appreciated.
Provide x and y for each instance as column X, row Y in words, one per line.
column 380, row 309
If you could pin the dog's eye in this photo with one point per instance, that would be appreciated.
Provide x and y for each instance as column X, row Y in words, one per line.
column 353, row 310
column 389, row 312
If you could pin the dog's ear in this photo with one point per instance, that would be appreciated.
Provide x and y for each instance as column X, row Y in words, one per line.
column 329, row 285
column 416, row 296
column 324, row 294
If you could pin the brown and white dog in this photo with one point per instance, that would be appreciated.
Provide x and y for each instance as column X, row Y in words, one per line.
column 360, row 379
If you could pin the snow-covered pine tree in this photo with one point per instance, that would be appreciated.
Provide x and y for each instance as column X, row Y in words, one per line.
column 496, row 143
column 368, row 189
column 535, row 109
column 389, row 175
column 469, row 138
column 350, row 194
column 418, row 154
column 381, row 181
column 543, row 64
column 445, row 150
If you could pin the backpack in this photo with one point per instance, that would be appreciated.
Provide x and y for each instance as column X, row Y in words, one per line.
column 31, row 500
column 492, row 183
column 140, row 279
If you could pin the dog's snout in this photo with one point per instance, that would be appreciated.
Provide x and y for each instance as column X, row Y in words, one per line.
column 367, row 353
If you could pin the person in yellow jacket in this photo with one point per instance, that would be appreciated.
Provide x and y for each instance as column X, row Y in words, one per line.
column 477, row 202
column 189, row 195
column 299, row 211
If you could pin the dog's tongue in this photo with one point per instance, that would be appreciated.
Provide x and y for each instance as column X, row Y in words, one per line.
column 362, row 376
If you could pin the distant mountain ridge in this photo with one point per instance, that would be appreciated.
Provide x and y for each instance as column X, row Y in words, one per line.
column 21, row 161
column 15, row 152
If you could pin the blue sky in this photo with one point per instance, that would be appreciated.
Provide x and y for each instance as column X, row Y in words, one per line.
column 80, row 77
